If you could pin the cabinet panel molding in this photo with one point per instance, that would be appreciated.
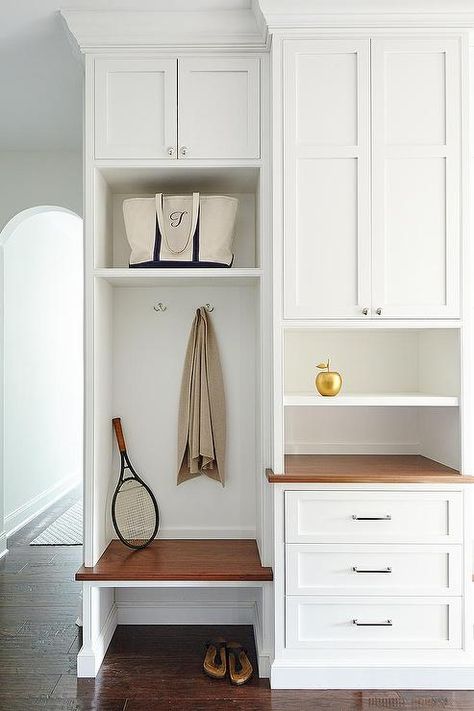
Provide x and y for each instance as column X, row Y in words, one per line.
column 416, row 108
column 326, row 178
column 219, row 107
column 135, row 108
column 374, row 623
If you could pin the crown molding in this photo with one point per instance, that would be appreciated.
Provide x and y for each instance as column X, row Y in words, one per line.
column 315, row 14
column 128, row 30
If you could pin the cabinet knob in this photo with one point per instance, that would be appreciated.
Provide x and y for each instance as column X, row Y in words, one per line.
column 365, row 311
column 170, row 151
column 183, row 151
column 379, row 311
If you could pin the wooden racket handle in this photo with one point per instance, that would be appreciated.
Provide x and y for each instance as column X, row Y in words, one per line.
column 119, row 434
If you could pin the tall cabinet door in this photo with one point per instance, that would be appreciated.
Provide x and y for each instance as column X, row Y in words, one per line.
column 326, row 179
column 219, row 107
column 416, row 177
column 135, row 108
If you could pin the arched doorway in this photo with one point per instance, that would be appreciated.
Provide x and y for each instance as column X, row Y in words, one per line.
column 41, row 362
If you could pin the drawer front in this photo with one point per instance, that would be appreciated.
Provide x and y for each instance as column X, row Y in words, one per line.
column 373, row 570
column 373, row 517
column 376, row 623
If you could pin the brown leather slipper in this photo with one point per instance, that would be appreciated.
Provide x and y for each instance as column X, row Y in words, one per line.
column 215, row 662
column 240, row 668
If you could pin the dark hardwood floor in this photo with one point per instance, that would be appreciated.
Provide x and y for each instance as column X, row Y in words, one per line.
column 146, row 668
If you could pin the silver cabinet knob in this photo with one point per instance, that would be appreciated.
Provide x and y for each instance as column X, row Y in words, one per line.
column 365, row 311
column 170, row 151
column 183, row 151
column 379, row 311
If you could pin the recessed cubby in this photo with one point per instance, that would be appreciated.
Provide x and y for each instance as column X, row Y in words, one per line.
column 400, row 392
column 114, row 185
column 378, row 362
column 139, row 361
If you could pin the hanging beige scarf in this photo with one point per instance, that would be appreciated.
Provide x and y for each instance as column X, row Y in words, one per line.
column 201, row 426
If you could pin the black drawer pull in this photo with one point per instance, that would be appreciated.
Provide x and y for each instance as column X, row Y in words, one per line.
column 367, row 570
column 371, row 518
column 387, row 623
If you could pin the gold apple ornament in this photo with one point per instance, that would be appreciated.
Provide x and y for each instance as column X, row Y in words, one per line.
column 329, row 382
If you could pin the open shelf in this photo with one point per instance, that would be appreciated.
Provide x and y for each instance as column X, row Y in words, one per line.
column 114, row 184
column 144, row 176
column 371, row 400
column 174, row 277
column 382, row 469
column 200, row 560
column 400, row 393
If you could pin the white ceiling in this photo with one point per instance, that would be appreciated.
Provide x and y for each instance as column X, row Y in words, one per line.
column 41, row 77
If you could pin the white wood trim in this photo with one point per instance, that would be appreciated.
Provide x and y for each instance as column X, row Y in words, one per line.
column 93, row 650
column 25, row 513
column 3, row 544
column 367, row 676
column 370, row 324
column 97, row 30
column 164, row 277
column 371, row 400
column 211, row 612
column 96, row 584
column 202, row 532
column 298, row 447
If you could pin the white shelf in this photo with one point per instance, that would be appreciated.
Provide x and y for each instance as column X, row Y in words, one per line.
column 174, row 277
column 368, row 324
column 371, row 400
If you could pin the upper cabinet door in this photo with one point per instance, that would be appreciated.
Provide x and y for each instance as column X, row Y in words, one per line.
column 219, row 107
column 416, row 177
column 135, row 108
column 326, row 179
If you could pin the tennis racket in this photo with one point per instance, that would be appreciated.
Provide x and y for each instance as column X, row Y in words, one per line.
column 134, row 509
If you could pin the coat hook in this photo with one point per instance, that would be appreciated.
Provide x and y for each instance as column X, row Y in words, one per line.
column 209, row 307
column 160, row 306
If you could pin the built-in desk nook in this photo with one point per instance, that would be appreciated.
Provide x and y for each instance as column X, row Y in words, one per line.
column 365, row 469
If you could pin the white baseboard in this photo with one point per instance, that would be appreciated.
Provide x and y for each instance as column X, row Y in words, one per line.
column 3, row 544
column 32, row 508
column 285, row 676
column 263, row 655
column 202, row 613
column 90, row 658
column 351, row 448
column 202, row 533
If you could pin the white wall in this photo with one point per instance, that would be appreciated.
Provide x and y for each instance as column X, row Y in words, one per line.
column 42, row 254
column 30, row 178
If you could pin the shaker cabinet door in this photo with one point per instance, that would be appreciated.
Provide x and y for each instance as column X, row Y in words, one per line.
column 135, row 108
column 219, row 107
column 326, row 179
column 416, row 104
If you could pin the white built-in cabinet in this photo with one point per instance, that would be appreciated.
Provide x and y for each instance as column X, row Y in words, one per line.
column 371, row 177
column 185, row 108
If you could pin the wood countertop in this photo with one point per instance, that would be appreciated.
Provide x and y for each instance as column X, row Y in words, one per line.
column 365, row 469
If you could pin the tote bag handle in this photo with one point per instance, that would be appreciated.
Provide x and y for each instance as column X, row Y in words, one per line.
column 161, row 222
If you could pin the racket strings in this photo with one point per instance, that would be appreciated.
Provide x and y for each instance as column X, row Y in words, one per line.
column 135, row 513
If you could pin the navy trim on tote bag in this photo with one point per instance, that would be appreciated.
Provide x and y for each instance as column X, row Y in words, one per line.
column 176, row 264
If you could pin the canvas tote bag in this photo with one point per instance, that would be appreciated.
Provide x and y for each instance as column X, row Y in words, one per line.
column 180, row 230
